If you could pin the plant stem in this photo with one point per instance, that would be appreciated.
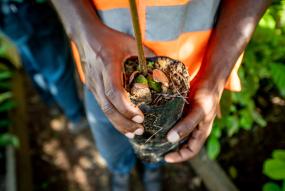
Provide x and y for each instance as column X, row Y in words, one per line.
column 138, row 36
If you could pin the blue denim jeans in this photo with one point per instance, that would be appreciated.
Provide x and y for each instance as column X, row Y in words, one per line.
column 113, row 146
column 45, row 53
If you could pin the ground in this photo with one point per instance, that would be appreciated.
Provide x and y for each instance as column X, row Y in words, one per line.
column 243, row 155
column 247, row 151
column 62, row 160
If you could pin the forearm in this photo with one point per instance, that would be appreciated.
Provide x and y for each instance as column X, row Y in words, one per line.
column 235, row 26
column 76, row 15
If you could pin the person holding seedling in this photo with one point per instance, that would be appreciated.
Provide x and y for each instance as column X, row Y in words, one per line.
column 196, row 41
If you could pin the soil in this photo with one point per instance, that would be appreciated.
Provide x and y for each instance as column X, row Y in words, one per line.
column 162, row 106
column 246, row 151
column 65, row 162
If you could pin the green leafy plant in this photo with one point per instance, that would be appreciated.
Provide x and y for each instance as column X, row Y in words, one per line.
column 264, row 60
column 7, row 55
column 9, row 139
column 274, row 168
column 6, row 105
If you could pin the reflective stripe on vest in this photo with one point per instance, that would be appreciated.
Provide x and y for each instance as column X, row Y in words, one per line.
column 179, row 29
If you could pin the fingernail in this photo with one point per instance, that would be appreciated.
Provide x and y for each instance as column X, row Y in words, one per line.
column 130, row 135
column 138, row 119
column 139, row 131
column 168, row 159
column 173, row 137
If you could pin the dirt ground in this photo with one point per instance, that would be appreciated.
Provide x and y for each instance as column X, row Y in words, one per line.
column 65, row 162
column 243, row 155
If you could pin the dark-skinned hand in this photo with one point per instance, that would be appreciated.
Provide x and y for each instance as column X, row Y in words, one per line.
column 103, row 59
column 196, row 126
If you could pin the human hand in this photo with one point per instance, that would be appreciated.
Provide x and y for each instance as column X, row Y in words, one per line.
column 196, row 126
column 103, row 55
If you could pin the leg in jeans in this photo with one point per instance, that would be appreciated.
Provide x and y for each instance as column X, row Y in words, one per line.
column 19, row 32
column 114, row 147
column 46, row 55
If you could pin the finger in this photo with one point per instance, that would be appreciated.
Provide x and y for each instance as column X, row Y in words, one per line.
column 186, row 125
column 187, row 151
column 122, row 124
column 193, row 146
column 199, row 137
column 118, row 96
column 178, row 156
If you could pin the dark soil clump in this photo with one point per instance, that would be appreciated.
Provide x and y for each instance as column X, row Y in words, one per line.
column 161, row 97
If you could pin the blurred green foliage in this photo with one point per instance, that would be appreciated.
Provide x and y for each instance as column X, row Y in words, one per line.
column 6, row 105
column 274, row 168
column 8, row 55
column 264, row 60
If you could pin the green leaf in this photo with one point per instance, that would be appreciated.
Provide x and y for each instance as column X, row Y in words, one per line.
column 258, row 119
column 9, row 51
column 216, row 131
column 213, row 147
column 270, row 186
column 156, row 86
column 150, row 65
column 250, row 57
column 4, row 75
column 7, row 105
column 279, row 154
column 232, row 124
column 246, row 119
column 141, row 80
column 278, row 76
column 267, row 21
column 5, row 96
column 9, row 139
column 283, row 185
column 274, row 169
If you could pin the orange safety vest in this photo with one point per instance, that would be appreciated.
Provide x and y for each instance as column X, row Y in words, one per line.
column 179, row 29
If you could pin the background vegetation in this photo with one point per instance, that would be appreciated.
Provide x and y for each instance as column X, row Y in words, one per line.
column 9, row 61
column 263, row 69
column 262, row 72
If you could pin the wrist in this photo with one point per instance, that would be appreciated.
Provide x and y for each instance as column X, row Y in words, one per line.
column 210, row 81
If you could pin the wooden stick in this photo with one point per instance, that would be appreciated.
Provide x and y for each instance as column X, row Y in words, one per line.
column 138, row 36
column 212, row 174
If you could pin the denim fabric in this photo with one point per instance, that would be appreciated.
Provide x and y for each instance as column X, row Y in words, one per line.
column 113, row 146
column 45, row 53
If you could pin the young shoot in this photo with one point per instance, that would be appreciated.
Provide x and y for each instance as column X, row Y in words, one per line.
column 138, row 37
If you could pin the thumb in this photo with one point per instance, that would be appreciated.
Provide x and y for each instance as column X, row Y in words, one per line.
column 186, row 125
